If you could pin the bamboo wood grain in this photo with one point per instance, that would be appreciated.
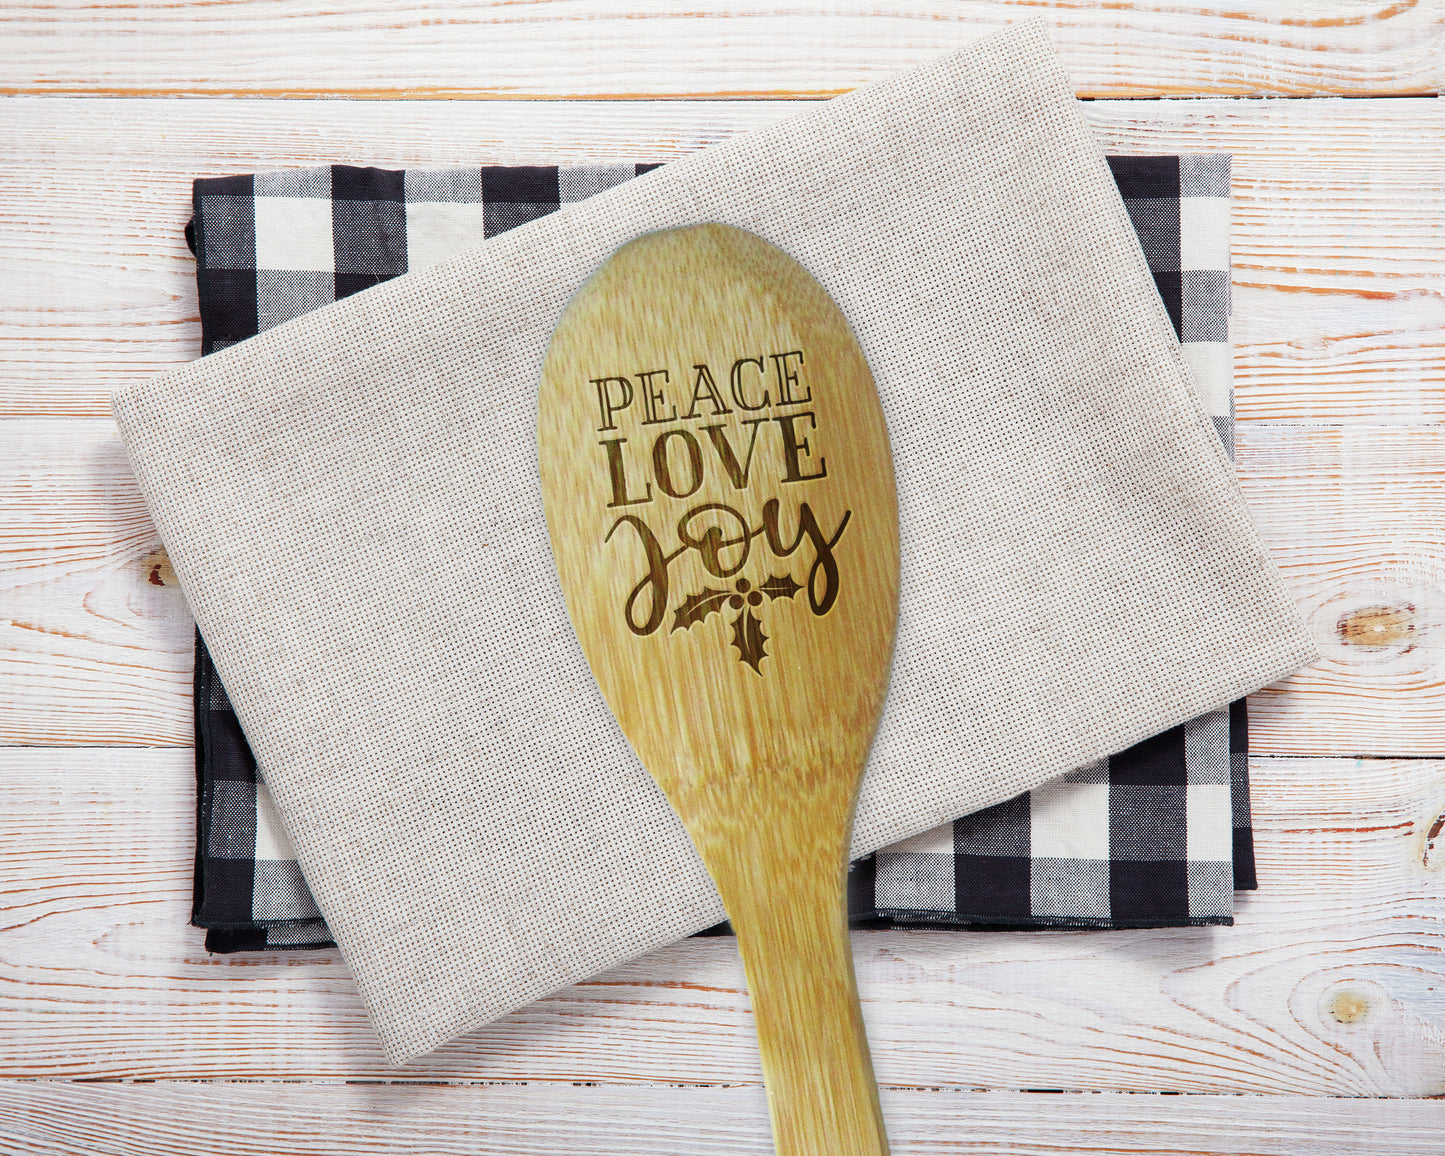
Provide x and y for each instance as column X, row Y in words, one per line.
column 1327, row 986
column 621, row 49
column 712, row 451
column 451, row 1120
column 1338, row 309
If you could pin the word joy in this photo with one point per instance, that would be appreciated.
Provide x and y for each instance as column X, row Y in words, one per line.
column 678, row 457
column 722, row 539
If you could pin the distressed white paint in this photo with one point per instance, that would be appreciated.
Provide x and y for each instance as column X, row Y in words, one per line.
column 1329, row 985
column 1355, row 519
column 625, row 48
column 461, row 1120
column 1339, row 283
column 95, row 640
column 103, row 978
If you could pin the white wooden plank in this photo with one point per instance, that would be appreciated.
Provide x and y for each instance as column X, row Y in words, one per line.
column 101, row 288
column 1328, row 984
column 1355, row 518
column 1339, row 311
column 328, row 1119
column 95, row 639
column 617, row 48
column 96, row 642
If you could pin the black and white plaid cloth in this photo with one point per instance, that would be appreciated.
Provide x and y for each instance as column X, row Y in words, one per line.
column 1158, row 835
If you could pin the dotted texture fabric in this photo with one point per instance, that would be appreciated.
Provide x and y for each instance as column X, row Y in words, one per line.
column 350, row 502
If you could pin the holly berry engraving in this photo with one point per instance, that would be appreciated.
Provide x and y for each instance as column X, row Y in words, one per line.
column 747, row 633
column 748, row 637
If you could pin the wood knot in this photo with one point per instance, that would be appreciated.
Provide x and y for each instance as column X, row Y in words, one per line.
column 1378, row 627
column 157, row 567
column 1348, row 1006
column 1432, row 856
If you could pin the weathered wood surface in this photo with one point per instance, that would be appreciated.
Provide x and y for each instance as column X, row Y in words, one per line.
column 1328, row 985
column 1339, row 319
column 95, row 640
column 462, row 1120
column 1355, row 519
column 1339, row 309
column 742, row 48
column 1339, row 265
column 95, row 637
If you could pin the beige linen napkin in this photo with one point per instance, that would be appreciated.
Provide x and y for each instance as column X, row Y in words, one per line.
column 350, row 502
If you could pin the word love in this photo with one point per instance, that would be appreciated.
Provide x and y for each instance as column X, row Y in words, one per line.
column 679, row 457
column 722, row 539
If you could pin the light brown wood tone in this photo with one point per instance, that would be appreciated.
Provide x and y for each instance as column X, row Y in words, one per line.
column 1329, row 985
column 451, row 1120
column 719, row 494
column 97, row 646
column 1339, row 314
column 740, row 48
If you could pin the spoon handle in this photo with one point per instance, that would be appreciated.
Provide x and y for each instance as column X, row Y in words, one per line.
column 792, row 927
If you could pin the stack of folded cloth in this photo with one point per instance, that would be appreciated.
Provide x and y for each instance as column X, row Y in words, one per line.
column 1155, row 836
column 351, row 504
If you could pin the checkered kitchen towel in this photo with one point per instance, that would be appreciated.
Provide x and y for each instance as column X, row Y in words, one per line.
column 1158, row 835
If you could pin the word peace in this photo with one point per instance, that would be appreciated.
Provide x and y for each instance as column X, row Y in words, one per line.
column 616, row 394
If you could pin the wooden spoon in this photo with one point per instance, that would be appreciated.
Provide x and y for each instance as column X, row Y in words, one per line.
column 719, row 492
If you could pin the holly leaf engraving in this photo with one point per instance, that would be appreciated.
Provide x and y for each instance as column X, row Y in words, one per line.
column 749, row 638
column 696, row 607
column 780, row 586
